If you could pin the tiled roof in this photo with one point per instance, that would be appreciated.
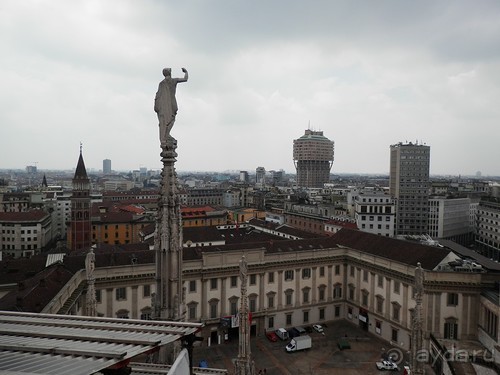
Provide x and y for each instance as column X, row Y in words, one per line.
column 114, row 217
column 133, row 209
column 28, row 216
column 343, row 224
column 201, row 234
column 197, row 208
column 297, row 232
column 33, row 294
column 406, row 252
column 15, row 270
column 283, row 228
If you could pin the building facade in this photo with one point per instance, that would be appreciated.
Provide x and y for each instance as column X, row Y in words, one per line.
column 260, row 176
column 409, row 184
column 204, row 197
column 364, row 279
column 24, row 234
column 313, row 155
column 488, row 228
column 375, row 212
column 450, row 219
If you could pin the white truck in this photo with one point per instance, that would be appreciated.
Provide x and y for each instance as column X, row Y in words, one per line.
column 299, row 343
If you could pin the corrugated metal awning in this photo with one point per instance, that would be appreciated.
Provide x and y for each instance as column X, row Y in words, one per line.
column 54, row 258
column 68, row 344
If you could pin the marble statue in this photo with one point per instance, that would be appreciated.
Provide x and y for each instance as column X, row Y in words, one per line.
column 90, row 264
column 166, row 104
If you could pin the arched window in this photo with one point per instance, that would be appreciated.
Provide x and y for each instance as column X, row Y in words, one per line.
column 122, row 314
column 146, row 313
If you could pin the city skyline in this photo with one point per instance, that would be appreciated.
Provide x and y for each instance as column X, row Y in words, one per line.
column 391, row 72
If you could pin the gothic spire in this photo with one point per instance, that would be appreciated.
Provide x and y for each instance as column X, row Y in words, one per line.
column 81, row 172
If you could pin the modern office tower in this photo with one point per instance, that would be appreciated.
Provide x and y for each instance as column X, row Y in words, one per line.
column 278, row 176
column 409, row 185
column 449, row 218
column 244, row 176
column 106, row 166
column 488, row 227
column 31, row 169
column 260, row 175
column 313, row 158
column 80, row 227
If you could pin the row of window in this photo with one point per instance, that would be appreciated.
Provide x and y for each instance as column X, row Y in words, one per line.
column 121, row 293
column 23, row 239
column 23, row 247
column 288, row 276
column 13, row 231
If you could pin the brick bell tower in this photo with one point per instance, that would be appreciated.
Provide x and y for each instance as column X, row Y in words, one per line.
column 79, row 235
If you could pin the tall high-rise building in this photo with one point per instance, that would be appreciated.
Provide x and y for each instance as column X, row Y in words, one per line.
column 80, row 227
column 244, row 176
column 106, row 166
column 260, row 175
column 409, row 185
column 313, row 158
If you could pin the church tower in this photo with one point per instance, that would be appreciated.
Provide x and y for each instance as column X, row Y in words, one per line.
column 79, row 235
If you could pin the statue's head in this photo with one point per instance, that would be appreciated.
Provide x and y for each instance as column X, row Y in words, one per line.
column 167, row 72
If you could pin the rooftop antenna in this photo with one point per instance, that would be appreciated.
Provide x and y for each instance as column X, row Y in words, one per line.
column 81, row 145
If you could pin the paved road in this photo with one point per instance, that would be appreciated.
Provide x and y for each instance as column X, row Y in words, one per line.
column 324, row 357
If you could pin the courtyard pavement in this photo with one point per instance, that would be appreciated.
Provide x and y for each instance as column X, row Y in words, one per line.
column 323, row 358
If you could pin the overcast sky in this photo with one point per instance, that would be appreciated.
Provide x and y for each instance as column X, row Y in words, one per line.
column 367, row 73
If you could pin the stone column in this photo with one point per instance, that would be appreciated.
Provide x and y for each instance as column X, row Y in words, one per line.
column 244, row 365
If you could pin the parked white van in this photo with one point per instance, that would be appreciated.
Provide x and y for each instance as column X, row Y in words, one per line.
column 282, row 333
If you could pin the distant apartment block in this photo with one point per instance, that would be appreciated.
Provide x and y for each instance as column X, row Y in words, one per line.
column 24, row 234
column 260, row 175
column 231, row 198
column 203, row 216
column 204, row 197
column 409, row 184
column 15, row 202
column 313, row 156
column 118, row 223
column 375, row 212
column 244, row 177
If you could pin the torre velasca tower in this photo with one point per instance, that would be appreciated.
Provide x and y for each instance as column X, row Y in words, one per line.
column 313, row 158
column 409, row 185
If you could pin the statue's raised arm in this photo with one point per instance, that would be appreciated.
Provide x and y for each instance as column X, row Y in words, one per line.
column 166, row 104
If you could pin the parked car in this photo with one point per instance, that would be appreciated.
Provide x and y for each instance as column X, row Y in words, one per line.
column 300, row 330
column 308, row 329
column 271, row 336
column 387, row 365
column 318, row 328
